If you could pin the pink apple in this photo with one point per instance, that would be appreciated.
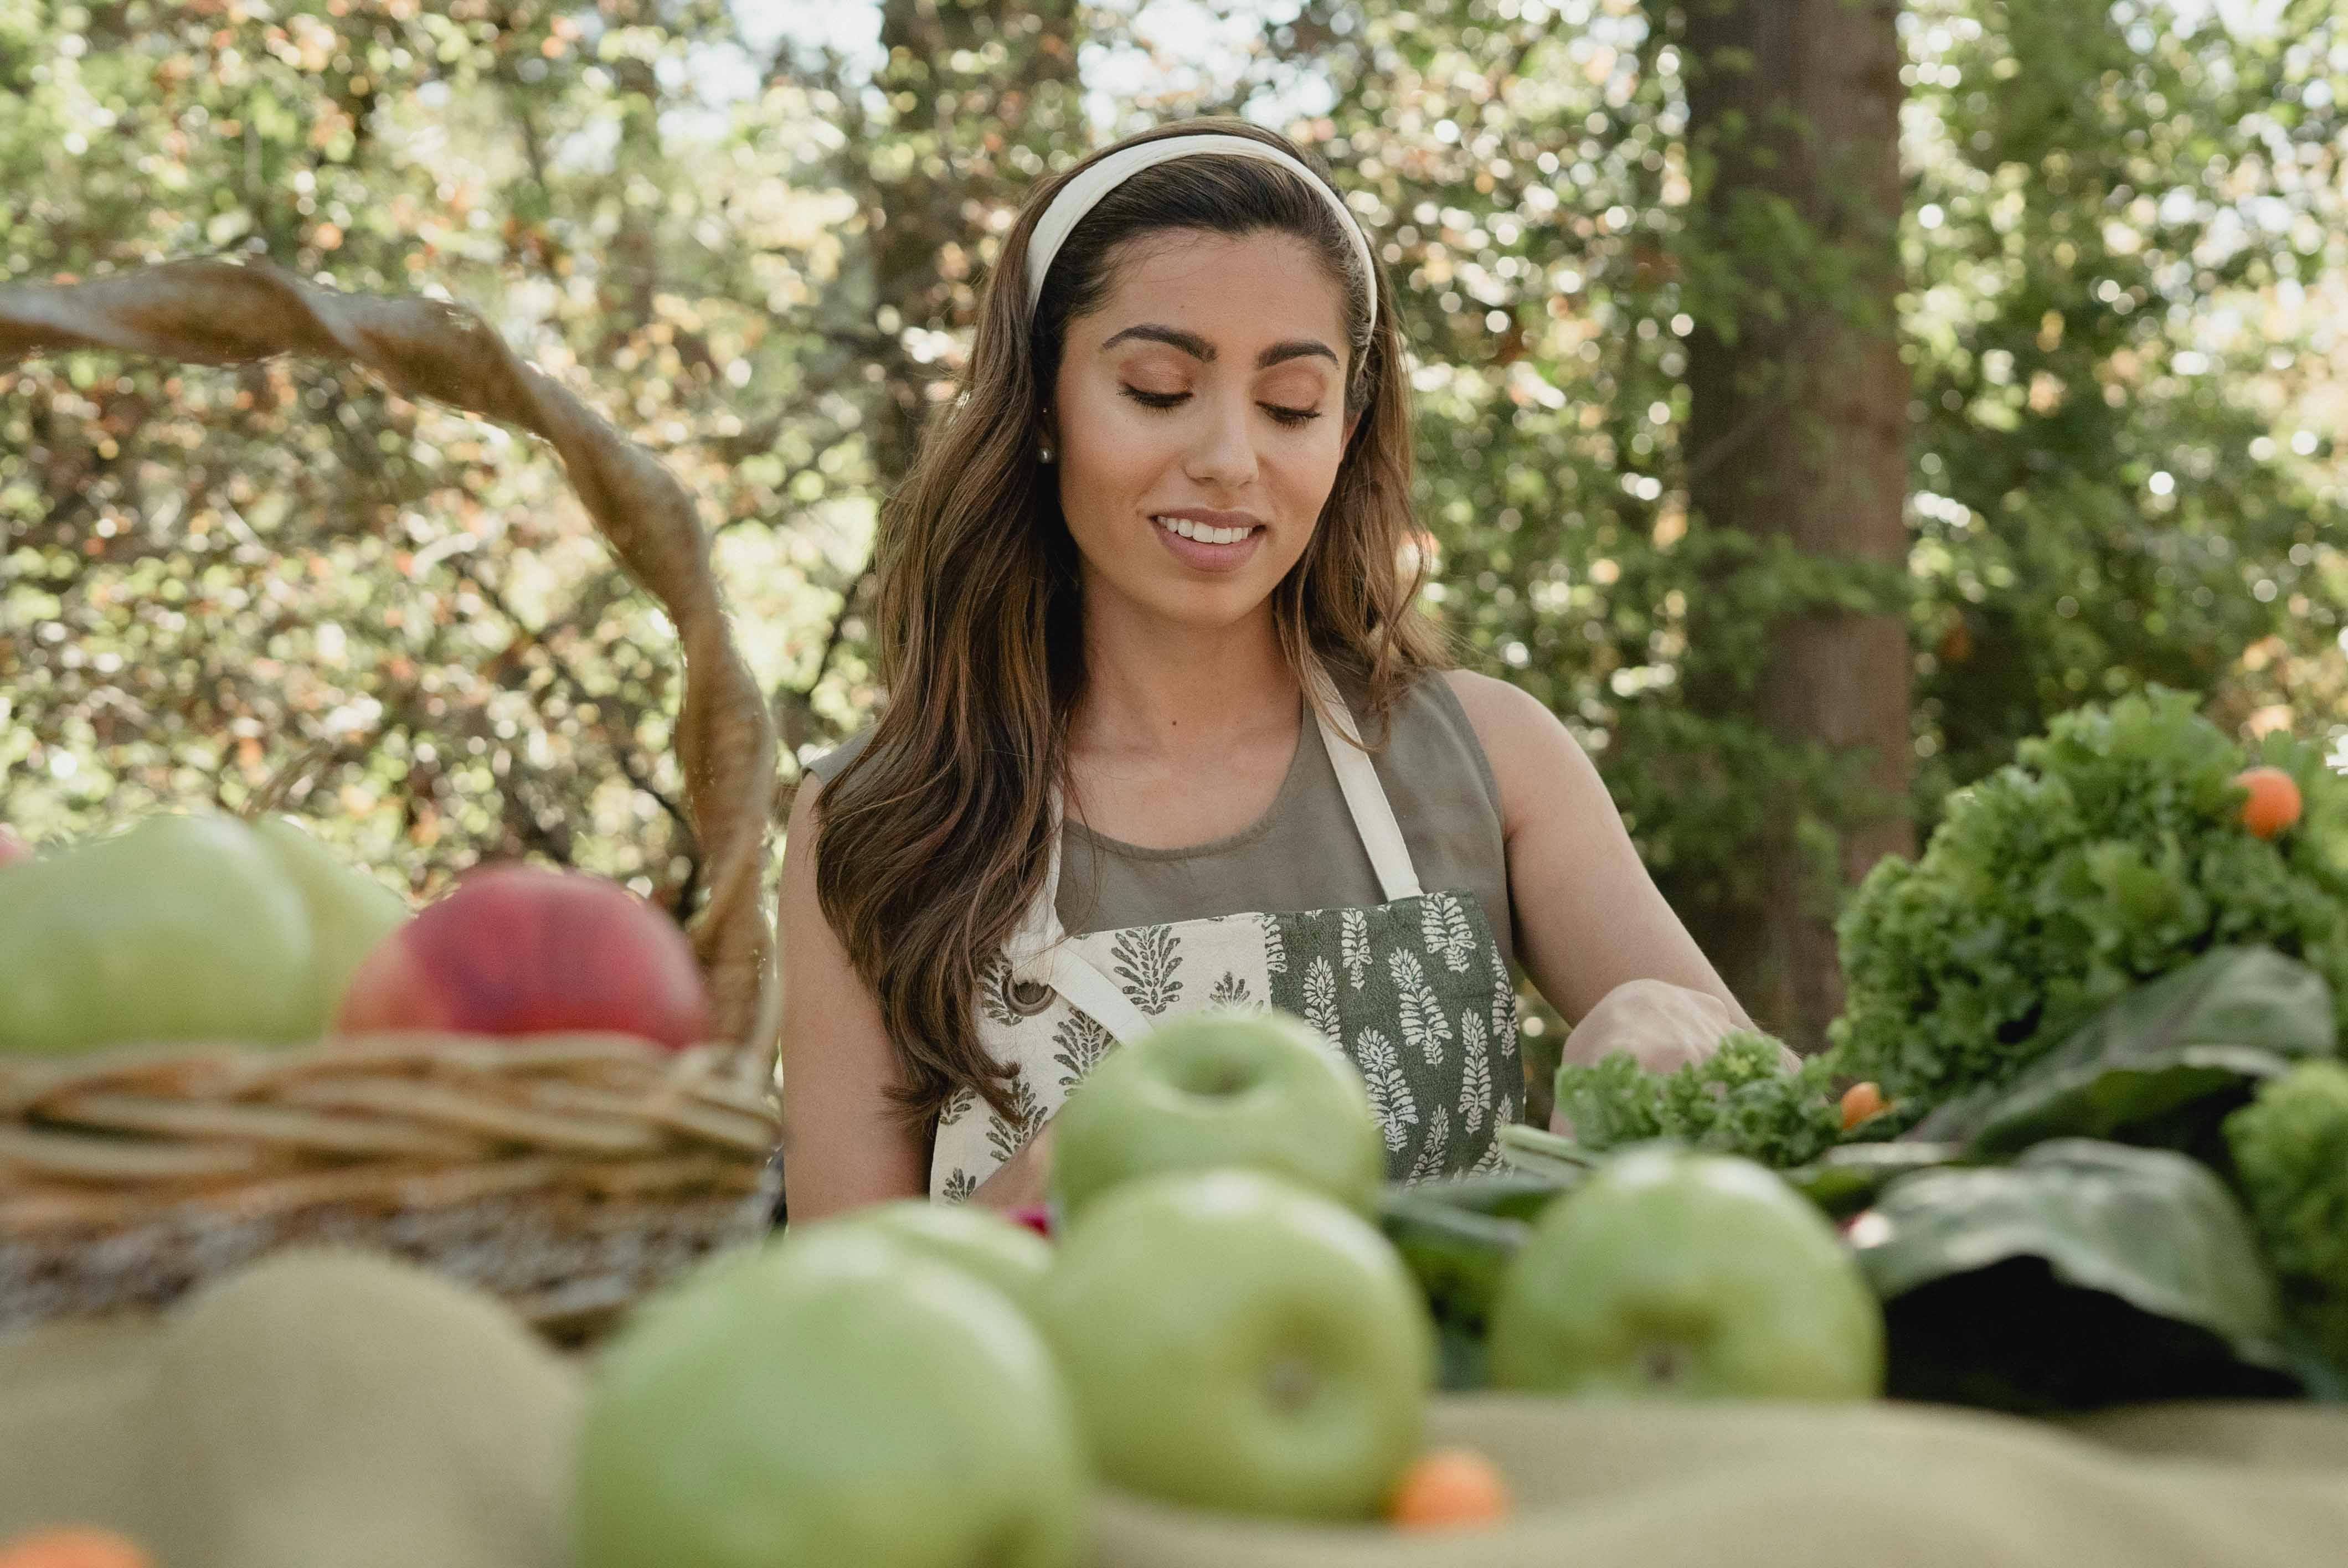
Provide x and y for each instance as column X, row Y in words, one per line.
column 522, row 950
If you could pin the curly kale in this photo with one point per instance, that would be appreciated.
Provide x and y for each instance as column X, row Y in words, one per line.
column 1738, row 1100
column 2109, row 853
column 2290, row 1147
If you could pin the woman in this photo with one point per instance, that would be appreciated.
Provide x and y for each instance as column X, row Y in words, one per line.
column 1165, row 730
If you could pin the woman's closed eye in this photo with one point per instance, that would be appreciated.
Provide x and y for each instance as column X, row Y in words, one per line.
column 1169, row 399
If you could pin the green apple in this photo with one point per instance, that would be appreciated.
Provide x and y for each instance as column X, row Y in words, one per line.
column 1670, row 1272
column 350, row 911
column 1006, row 1254
column 1237, row 1342
column 1263, row 1091
column 180, row 927
column 836, row 1398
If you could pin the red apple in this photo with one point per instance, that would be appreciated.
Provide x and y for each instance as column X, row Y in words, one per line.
column 13, row 846
column 521, row 949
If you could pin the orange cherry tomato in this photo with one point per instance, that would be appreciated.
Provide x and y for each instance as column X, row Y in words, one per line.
column 2274, row 803
column 1448, row 1489
column 74, row 1548
column 1859, row 1102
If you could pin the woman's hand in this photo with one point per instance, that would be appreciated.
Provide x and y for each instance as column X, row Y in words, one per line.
column 1663, row 1027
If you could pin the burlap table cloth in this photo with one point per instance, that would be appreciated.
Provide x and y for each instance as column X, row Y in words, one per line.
column 342, row 1412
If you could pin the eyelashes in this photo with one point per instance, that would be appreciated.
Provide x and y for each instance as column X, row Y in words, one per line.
column 1293, row 417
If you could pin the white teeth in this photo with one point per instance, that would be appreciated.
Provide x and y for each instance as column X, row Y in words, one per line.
column 1201, row 532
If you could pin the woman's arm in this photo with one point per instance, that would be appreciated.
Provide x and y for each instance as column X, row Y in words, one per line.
column 1588, row 916
column 845, row 1143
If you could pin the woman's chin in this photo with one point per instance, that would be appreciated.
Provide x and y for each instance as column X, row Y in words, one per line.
column 1211, row 607
column 1182, row 600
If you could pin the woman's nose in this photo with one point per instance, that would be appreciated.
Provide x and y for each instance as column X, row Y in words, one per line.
column 1225, row 451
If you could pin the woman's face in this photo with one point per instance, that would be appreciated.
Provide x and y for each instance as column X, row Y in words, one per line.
column 1200, row 419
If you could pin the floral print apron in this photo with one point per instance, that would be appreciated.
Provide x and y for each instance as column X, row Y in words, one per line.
column 1413, row 992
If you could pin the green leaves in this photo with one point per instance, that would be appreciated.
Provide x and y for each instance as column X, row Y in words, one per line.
column 2161, row 1064
column 2289, row 1149
column 2090, row 1270
column 2083, row 1273
column 1738, row 1100
column 1456, row 1235
column 2111, row 852
column 1847, row 1178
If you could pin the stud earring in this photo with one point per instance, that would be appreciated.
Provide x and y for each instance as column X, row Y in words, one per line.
column 1042, row 454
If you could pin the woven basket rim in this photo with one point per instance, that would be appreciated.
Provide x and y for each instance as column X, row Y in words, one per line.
column 113, row 1138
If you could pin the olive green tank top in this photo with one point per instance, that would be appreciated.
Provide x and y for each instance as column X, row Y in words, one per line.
column 1304, row 853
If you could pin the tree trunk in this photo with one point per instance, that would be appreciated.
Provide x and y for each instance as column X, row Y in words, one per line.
column 1798, row 432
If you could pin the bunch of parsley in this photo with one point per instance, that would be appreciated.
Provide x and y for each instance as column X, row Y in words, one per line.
column 1738, row 1100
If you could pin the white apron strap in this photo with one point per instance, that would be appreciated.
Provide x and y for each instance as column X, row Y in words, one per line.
column 1096, row 996
column 1373, row 816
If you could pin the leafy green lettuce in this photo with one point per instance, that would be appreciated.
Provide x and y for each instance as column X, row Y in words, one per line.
column 2290, row 1148
column 2111, row 852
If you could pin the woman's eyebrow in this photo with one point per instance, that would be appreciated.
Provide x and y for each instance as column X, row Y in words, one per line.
column 1199, row 349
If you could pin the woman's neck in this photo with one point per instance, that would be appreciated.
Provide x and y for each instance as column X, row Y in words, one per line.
column 1154, row 690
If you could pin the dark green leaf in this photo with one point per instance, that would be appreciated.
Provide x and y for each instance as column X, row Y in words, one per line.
column 1518, row 1141
column 2016, row 1336
column 1845, row 1180
column 1456, row 1255
column 2162, row 1063
column 1460, row 1359
column 1504, row 1193
column 2083, row 1273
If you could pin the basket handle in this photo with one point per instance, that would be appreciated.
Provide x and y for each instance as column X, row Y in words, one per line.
column 219, row 312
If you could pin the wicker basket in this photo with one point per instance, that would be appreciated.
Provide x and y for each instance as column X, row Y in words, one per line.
column 567, row 1173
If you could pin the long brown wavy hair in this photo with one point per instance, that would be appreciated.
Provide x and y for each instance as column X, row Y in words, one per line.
column 934, row 839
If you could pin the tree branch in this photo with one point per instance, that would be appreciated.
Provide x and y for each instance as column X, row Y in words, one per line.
column 629, row 766
column 833, row 636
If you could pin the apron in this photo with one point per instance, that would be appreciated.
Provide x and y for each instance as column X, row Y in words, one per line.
column 1412, row 991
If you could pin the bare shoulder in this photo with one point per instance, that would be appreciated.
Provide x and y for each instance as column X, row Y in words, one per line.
column 804, row 809
column 802, row 830
column 1530, row 748
column 1514, row 726
column 1496, row 707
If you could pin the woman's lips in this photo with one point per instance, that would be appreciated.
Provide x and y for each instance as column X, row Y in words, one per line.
column 1199, row 556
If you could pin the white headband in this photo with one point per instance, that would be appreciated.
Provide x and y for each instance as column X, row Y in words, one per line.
column 1077, row 197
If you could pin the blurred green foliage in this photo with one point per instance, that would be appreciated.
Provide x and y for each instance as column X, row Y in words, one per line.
column 2126, row 267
